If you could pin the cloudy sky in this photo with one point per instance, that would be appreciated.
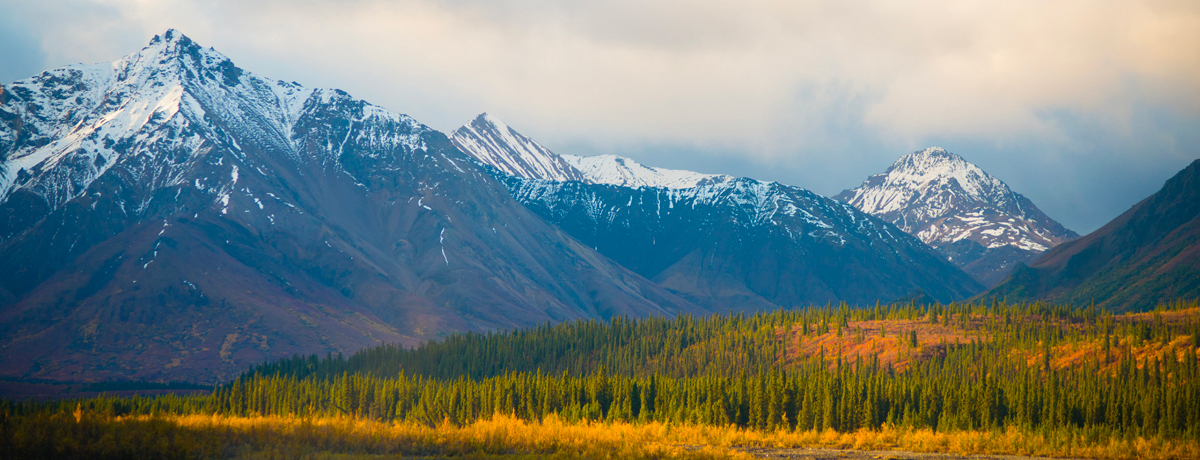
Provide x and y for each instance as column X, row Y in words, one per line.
column 1085, row 106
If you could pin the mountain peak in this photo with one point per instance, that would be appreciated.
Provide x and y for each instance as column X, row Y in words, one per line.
column 933, row 157
column 491, row 141
column 947, row 201
column 175, row 50
column 171, row 44
column 487, row 119
column 85, row 114
column 935, row 168
column 171, row 36
column 936, row 162
column 932, row 152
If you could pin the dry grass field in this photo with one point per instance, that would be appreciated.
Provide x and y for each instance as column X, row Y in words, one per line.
column 83, row 435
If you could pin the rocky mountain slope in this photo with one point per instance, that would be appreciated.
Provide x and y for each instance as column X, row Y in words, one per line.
column 745, row 244
column 170, row 216
column 727, row 243
column 972, row 218
column 1148, row 255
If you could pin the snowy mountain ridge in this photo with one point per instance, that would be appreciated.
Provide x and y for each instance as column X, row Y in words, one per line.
column 491, row 141
column 730, row 243
column 744, row 243
column 625, row 172
column 750, row 203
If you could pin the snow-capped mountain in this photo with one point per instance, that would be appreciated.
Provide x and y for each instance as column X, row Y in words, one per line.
column 746, row 244
column 491, row 141
column 625, row 172
column 953, row 205
column 171, row 216
column 718, row 241
column 494, row 143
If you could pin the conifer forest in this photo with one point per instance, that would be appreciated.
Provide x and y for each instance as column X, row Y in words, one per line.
column 1033, row 368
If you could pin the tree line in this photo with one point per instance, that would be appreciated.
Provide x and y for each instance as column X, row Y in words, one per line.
column 1139, row 379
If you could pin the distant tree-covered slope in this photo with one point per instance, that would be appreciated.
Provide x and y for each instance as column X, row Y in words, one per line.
column 1066, row 375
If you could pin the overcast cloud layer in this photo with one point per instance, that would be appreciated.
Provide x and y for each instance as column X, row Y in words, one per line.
column 1084, row 106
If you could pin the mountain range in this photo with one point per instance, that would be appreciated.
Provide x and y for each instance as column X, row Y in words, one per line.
column 721, row 242
column 971, row 218
column 170, row 216
column 974, row 219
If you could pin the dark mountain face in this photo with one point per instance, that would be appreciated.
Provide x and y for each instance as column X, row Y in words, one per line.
column 171, row 216
column 972, row 218
column 1148, row 255
column 746, row 244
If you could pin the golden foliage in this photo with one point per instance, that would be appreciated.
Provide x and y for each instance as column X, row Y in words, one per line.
column 499, row 435
column 504, row 436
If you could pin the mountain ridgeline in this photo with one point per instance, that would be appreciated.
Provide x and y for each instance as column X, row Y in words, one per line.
column 745, row 244
column 721, row 242
column 170, row 216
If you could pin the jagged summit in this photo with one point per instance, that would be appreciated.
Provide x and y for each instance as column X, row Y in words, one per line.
column 955, row 206
column 931, row 173
column 494, row 143
column 176, row 44
column 162, row 96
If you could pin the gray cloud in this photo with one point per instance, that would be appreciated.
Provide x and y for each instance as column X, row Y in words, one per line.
column 1085, row 106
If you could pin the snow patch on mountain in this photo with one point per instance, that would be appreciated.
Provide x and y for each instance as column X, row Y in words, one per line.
column 747, row 203
column 625, row 172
